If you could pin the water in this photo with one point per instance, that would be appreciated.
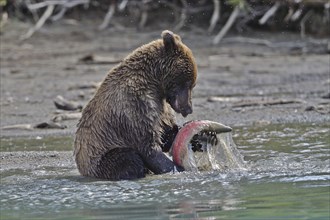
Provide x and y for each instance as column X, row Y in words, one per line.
column 288, row 178
column 221, row 155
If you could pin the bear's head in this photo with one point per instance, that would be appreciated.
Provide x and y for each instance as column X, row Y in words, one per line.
column 180, row 73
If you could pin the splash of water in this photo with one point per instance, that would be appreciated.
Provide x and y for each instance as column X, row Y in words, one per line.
column 221, row 155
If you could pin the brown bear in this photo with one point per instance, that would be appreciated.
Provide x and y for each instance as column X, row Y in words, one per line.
column 129, row 122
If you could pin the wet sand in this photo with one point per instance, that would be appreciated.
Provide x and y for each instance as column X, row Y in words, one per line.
column 239, row 84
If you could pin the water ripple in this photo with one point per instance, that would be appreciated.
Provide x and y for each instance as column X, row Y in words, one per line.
column 287, row 164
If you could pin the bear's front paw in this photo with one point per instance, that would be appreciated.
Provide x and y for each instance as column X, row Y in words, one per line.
column 200, row 140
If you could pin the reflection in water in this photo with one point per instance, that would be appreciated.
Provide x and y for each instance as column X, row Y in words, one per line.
column 288, row 177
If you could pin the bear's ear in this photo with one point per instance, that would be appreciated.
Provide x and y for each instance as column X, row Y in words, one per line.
column 170, row 40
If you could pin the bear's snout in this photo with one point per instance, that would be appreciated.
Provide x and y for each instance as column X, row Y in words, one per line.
column 186, row 111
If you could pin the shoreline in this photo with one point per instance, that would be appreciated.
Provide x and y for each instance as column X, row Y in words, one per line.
column 239, row 84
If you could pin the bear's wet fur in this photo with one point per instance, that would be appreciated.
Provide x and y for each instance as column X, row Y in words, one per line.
column 129, row 122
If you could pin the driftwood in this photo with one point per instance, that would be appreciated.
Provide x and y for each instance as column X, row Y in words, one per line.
column 42, row 125
column 49, row 125
column 302, row 23
column 269, row 13
column 265, row 102
column 183, row 15
column 89, row 85
column 63, row 104
column 40, row 23
column 303, row 2
column 215, row 16
column 241, row 103
column 144, row 17
column 293, row 16
column 108, row 16
column 242, row 11
column 18, row 126
column 223, row 99
column 95, row 59
column 227, row 26
column 320, row 46
column 51, row 4
column 66, row 116
column 322, row 108
column 3, row 20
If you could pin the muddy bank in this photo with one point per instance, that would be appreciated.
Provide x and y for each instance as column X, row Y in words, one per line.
column 240, row 82
column 34, row 160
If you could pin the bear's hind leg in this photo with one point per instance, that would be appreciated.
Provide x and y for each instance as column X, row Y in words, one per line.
column 121, row 164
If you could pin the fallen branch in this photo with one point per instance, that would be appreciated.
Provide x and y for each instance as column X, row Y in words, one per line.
column 227, row 26
column 143, row 19
column 3, row 20
column 59, row 15
column 308, row 44
column 296, row 15
column 64, row 3
column 63, row 104
column 302, row 23
column 49, row 125
column 303, row 2
column 322, row 108
column 108, row 16
column 247, row 40
column 122, row 5
column 34, row 13
column 222, row 99
column 241, row 15
column 18, row 126
column 94, row 59
column 42, row 125
column 264, row 102
column 49, row 11
column 269, row 13
column 183, row 15
column 92, row 85
column 215, row 16
column 40, row 23
column 66, row 6
column 67, row 116
column 241, row 102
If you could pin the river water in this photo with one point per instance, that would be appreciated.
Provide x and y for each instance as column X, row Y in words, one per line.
column 288, row 177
